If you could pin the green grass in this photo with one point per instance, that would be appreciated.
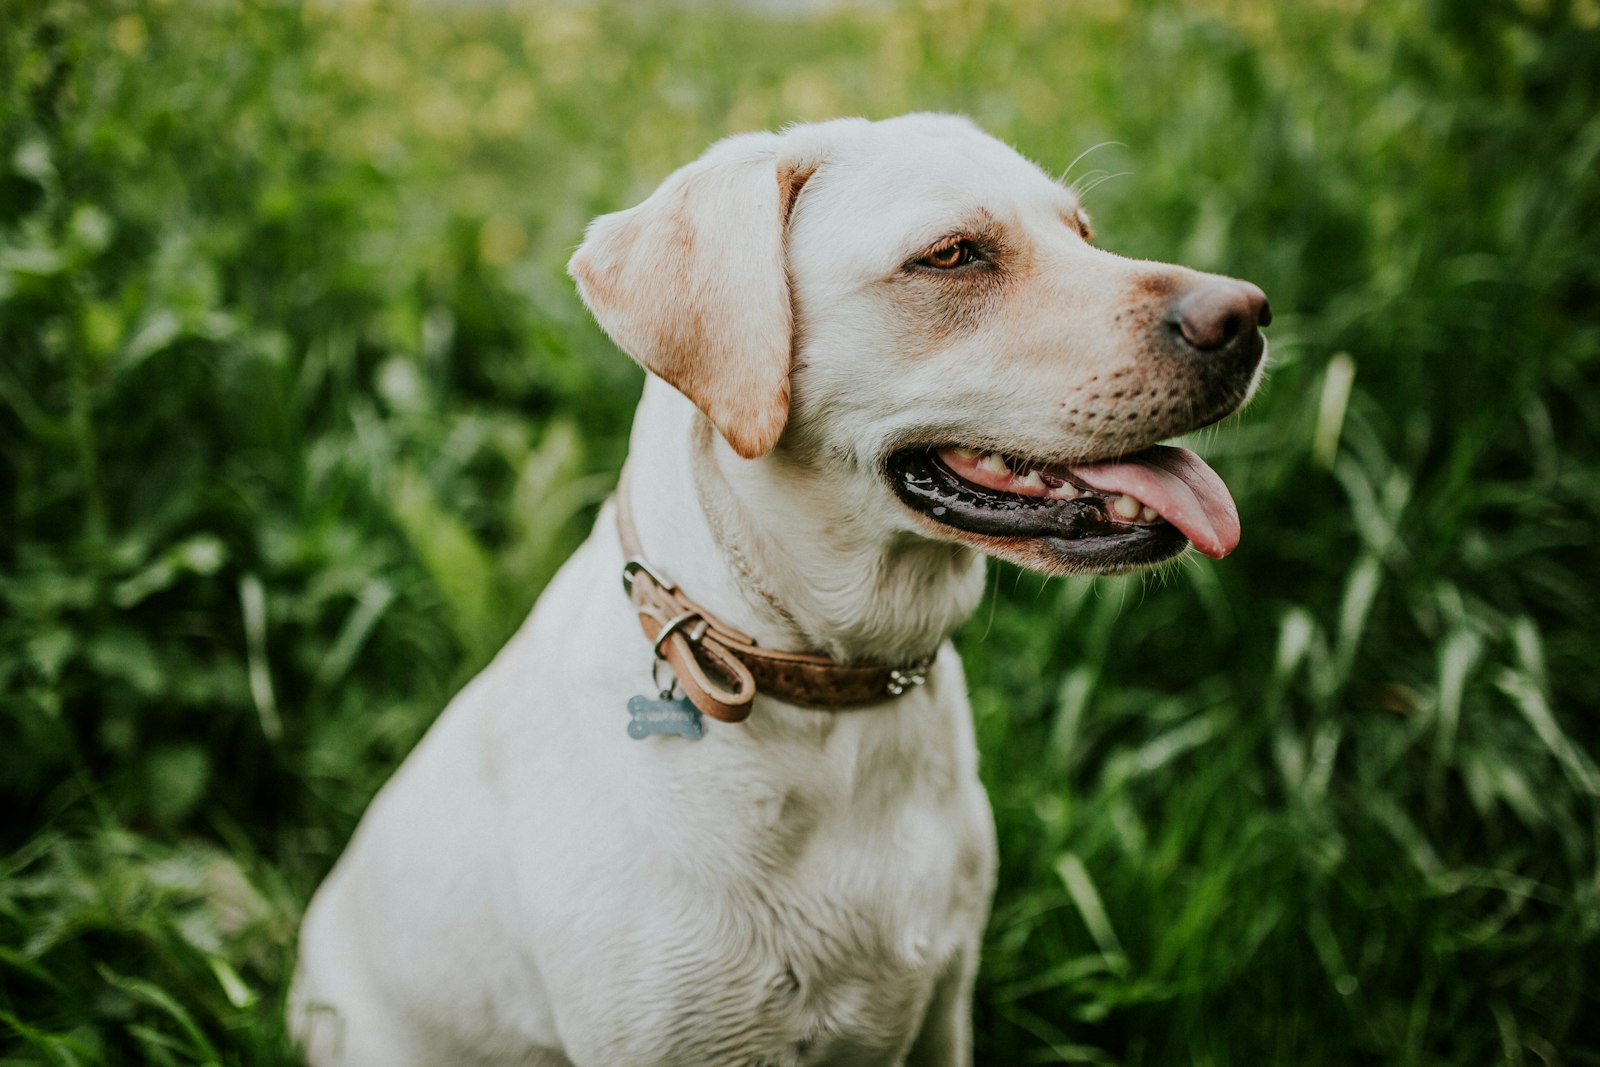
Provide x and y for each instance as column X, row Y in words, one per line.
column 298, row 412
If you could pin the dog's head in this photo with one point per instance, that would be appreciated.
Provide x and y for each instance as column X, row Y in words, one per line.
column 916, row 307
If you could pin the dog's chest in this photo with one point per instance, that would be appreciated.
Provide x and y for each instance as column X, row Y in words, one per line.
column 808, row 921
column 799, row 977
column 831, row 961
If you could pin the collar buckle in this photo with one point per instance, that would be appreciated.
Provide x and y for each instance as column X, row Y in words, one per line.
column 633, row 566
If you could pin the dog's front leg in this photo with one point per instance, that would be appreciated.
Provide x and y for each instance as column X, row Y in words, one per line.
column 945, row 1039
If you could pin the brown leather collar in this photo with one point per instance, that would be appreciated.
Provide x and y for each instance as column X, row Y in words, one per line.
column 720, row 669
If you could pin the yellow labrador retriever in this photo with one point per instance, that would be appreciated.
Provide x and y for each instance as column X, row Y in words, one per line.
column 733, row 815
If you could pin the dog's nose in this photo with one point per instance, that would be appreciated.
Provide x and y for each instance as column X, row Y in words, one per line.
column 1214, row 314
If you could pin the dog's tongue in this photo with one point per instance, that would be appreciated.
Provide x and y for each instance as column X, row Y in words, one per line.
column 1179, row 485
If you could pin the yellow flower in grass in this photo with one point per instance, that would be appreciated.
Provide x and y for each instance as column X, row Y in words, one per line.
column 501, row 239
column 512, row 106
column 130, row 34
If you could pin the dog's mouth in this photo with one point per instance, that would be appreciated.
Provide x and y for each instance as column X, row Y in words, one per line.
column 1111, row 514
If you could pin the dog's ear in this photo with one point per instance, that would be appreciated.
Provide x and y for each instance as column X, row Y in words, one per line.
column 692, row 284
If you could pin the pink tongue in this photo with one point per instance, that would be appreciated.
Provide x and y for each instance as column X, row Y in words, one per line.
column 1179, row 485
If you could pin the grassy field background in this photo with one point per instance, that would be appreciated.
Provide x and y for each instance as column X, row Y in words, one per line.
column 298, row 412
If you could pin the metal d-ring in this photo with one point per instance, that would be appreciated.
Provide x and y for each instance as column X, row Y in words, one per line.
column 694, row 633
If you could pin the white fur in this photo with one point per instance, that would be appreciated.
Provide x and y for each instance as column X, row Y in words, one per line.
column 535, row 887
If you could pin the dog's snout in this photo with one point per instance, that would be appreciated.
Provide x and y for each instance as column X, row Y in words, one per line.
column 1213, row 315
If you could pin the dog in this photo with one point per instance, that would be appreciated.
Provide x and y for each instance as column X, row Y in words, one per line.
column 732, row 815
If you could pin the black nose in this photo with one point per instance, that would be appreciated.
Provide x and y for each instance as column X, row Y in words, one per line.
column 1216, row 313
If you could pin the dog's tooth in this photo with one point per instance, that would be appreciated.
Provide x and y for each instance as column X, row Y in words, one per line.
column 1031, row 480
column 1149, row 514
column 992, row 463
column 965, row 453
column 1064, row 491
column 1127, row 506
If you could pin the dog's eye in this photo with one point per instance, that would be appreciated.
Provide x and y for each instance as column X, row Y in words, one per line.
column 950, row 256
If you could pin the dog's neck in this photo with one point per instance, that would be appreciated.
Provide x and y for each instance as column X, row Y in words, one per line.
column 779, row 549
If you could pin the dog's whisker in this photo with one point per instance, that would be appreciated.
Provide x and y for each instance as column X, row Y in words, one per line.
column 1081, row 156
column 1076, row 186
column 1084, row 190
column 993, row 596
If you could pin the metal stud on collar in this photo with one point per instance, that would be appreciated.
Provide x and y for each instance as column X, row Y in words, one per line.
column 909, row 678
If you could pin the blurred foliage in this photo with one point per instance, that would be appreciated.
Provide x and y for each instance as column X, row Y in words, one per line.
column 298, row 413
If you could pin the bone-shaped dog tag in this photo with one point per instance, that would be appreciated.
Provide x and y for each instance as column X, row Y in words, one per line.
column 662, row 715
